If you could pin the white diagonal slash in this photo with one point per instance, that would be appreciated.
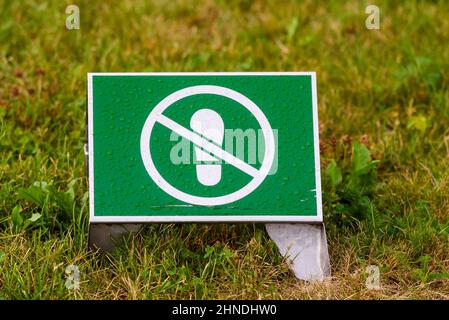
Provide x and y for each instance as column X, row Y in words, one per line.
column 208, row 146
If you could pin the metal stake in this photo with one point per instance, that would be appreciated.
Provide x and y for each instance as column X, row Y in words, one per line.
column 305, row 246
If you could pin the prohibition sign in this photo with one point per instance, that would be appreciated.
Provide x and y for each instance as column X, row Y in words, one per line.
column 156, row 115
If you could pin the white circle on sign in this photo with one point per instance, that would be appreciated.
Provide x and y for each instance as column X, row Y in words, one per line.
column 156, row 116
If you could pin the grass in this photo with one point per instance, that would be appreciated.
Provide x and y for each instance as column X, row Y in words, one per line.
column 384, row 119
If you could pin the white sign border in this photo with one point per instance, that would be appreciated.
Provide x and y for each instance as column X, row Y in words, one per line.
column 169, row 219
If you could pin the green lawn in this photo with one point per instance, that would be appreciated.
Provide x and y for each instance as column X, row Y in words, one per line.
column 383, row 99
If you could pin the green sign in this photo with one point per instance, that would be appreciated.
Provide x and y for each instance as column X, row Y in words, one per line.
column 180, row 147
